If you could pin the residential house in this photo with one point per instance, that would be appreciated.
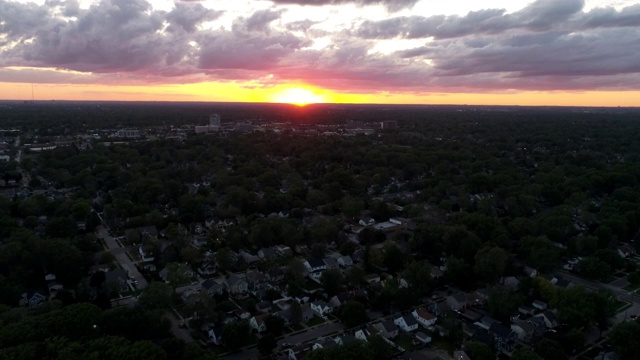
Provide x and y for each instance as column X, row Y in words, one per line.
column 315, row 268
column 248, row 258
column 263, row 306
column 213, row 287
column 361, row 334
column 215, row 335
column 237, row 284
column 344, row 339
column 424, row 317
column 32, row 299
column 549, row 317
column 147, row 232
column 321, row 308
column 207, row 268
column 422, row 337
column 267, row 253
column 526, row 310
column 387, row 329
column 436, row 273
column 372, row 278
column 298, row 352
column 314, row 265
column 307, row 314
column 339, row 300
column 366, row 221
column 345, row 261
column 330, row 263
column 540, row 305
column 146, row 253
column 256, row 280
column 283, row 251
column 457, row 301
column 524, row 330
column 505, row 338
column 258, row 322
column 324, row 344
column 117, row 280
column 531, row 272
column 275, row 275
column 406, row 322
column 199, row 241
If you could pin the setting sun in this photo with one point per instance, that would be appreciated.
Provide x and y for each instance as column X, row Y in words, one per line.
column 298, row 96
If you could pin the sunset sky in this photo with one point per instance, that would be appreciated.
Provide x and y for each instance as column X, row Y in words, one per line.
column 516, row 52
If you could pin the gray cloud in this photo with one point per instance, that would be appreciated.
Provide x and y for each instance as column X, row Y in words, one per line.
column 549, row 45
column 391, row 5
column 260, row 20
column 189, row 16
column 538, row 16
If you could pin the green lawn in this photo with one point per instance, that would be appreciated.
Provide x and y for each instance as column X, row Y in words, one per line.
column 405, row 341
column 441, row 343
column 317, row 320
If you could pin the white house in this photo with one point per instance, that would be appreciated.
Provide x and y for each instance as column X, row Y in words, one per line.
column 257, row 322
column 367, row 221
column 321, row 308
column 423, row 317
column 361, row 335
column 406, row 322
column 215, row 335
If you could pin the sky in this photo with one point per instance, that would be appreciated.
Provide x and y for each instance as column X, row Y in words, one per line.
column 489, row 52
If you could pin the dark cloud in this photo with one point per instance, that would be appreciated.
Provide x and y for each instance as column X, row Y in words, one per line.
column 391, row 5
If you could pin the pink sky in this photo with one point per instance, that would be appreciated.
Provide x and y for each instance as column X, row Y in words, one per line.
column 569, row 52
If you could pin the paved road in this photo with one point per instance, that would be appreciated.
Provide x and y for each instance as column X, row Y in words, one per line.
column 183, row 334
column 314, row 333
column 121, row 255
column 618, row 292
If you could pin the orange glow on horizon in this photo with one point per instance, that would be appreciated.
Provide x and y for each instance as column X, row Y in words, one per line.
column 302, row 94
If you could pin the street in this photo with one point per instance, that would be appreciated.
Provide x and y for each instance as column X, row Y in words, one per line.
column 120, row 254
column 311, row 334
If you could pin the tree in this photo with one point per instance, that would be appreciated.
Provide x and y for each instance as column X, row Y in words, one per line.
column 156, row 296
column 502, row 303
column 353, row 314
column 236, row 334
column 295, row 313
column 595, row 268
column 274, row 324
column 523, row 354
column 223, row 258
column 393, row 257
column 380, row 348
column 418, row 275
column 331, row 281
column 550, row 350
column 491, row 262
column 266, row 344
column 479, row 351
column 624, row 337
column 458, row 271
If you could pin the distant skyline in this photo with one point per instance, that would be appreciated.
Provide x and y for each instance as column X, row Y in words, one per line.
column 498, row 52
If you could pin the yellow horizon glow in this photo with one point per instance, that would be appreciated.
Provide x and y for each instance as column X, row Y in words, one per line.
column 238, row 92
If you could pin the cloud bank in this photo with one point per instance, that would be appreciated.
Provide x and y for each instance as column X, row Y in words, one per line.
column 547, row 45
